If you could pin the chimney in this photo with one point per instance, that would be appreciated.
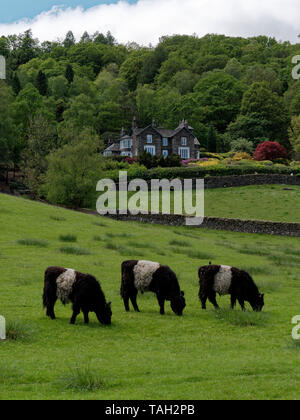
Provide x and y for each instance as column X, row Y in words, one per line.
column 186, row 124
column 153, row 122
column 123, row 132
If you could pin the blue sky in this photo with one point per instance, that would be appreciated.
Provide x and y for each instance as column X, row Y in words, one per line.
column 12, row 10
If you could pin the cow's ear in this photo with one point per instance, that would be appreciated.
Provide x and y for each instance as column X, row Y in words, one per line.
column 182, row 294
column 109, row 303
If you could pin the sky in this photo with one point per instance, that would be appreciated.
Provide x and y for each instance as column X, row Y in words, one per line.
column 145, row 21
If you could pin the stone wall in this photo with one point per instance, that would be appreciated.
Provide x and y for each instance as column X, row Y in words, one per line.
column 244, row 180
column 234, row 225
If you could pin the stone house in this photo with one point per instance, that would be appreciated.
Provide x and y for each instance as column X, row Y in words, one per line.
column 157, row 141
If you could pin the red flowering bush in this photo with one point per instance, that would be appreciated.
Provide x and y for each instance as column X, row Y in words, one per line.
column 131, row 160
column 269, row 150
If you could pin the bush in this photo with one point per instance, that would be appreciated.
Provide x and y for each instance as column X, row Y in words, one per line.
column 270, row 150
column 241, row 156
column 242, row 145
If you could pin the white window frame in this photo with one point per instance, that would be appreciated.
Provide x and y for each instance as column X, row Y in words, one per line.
column 184, row 152
column 126, row 144
column 165, row 142
column 184, row 141
column 151, row 150
column 149, row 139
column 165, row 153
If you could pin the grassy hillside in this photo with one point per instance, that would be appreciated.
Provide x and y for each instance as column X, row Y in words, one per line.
column 211, row 355
column 277, row 203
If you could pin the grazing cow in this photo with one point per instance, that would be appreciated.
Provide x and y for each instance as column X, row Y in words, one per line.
column 83, row 290
column 226, row 280
column 147, row 276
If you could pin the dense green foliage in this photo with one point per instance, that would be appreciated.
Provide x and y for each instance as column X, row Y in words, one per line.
column 228, row 89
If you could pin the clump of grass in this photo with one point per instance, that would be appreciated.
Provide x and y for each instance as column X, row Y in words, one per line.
column 241, row 319
column 74, row 251
column 248, row 250
column 180, row 243
column 110, row 235
column 18, row 331
column 123, row 250
column 257, row 270
column 83, row 378
column 268, row 286
column 58, row 218
column 294, row 344
column 97, row 238
column 68, row 238
column 33, row 242
column 101, row 224
column 197, row 255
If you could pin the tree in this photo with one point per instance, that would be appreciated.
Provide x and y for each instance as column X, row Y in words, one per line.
column 16, row 85
column 212, row 139
column 220, row 96
column 73, row 173
column 69, row 74
column 242, row 145
column 8, row 137
column 41, row 140
column 294, row 135
column 260, row 100
column 270, row 150
column 42, row 83
column 69, row 40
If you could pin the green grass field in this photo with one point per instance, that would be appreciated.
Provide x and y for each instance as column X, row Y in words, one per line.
column 277, row 203
column 203, row 355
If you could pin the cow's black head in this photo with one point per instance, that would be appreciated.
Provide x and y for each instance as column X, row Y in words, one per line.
column 178, row 304
column 105, row 316
column 259, row 303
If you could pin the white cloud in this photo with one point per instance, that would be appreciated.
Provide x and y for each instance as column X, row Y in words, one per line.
column 147, row 20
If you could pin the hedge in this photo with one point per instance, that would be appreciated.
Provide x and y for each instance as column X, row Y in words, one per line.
column 198, row 172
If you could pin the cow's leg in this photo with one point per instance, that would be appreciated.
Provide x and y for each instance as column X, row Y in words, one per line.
column 133, row 298
column 126, row 303
column 242, row 303
column 50, row 310
column 212, row 298
column 161, row 302
column 86, row 315
column 233, row 301
column 76, row 312
column 203, row 296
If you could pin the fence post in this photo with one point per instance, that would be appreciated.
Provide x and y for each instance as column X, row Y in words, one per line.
column 2, row 328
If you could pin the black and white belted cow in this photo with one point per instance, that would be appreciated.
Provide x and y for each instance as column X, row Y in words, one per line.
column 225, row 280
column 83, row 290
column 148, row 276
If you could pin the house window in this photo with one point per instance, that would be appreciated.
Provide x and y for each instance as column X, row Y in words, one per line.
column 128, row 154
column 165, row 142
column 150, row 149
column 184, row 152
column 149, row 138
column 126, row 144
column 183, row 141
column 165, row 154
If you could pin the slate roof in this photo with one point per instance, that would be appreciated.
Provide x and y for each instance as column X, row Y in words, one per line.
column 115, row 147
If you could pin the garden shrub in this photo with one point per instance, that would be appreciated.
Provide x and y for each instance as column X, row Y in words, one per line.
column 270, row 150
